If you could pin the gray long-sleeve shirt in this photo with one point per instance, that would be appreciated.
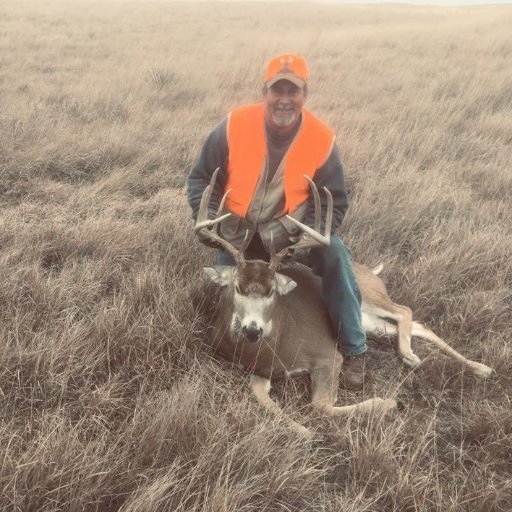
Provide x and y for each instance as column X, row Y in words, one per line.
column 215, row 153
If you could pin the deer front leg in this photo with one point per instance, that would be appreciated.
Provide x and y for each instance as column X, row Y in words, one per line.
column 260, row 386
column 324, row 391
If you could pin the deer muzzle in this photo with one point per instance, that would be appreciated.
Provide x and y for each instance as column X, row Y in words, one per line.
column 252, row 332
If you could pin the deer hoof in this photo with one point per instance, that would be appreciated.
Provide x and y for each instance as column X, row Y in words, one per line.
column 385, row 404
column 481, row 370
column 302, row 431
column 411, row 360
column 389, row 404
column 305, row 433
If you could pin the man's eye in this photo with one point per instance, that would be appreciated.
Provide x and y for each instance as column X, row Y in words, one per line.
column 270, row 293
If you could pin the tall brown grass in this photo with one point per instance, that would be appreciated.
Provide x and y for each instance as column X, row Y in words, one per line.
column 109, row 398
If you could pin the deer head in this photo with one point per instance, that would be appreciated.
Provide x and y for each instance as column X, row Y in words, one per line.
column 254, row 289
column 255, row 286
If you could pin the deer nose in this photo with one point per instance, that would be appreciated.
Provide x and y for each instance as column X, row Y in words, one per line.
column 252, row 333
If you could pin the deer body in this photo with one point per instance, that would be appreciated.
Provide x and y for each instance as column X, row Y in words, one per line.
column 295, row 336
column 275, row 323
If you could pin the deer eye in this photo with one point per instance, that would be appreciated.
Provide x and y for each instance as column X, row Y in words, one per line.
column 270, row 293
column 237, row 289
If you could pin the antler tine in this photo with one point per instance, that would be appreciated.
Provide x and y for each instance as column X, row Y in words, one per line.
column 205, row 198
column 245, row 243
column 328, row 217
column 321, row 239
column 203, row 223
column 202, row 217
column 223, row 200
column 218, row 216
column 316, row 198
column 207, row 223
column 275, row 259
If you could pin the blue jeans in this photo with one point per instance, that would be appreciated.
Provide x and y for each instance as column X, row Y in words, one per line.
column 339, row 291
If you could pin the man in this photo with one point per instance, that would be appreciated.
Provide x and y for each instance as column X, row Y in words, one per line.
column 263, row 152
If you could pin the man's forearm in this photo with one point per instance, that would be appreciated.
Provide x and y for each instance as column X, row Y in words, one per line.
column 214, row 154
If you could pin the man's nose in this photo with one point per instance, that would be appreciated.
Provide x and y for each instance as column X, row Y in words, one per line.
column 285, row 97
column 285, row 103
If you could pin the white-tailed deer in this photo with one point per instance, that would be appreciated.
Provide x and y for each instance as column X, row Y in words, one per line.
column 275, row 323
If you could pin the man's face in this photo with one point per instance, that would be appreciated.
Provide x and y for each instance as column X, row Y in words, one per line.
column 283, row 104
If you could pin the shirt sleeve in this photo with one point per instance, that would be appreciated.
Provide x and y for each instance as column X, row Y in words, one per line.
column 214, row 153
column 330, row 176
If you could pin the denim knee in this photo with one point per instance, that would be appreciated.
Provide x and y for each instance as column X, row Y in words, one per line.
column 329, row 258
column 224, row 258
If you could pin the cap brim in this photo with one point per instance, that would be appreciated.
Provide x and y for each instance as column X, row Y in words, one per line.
column 299, row 82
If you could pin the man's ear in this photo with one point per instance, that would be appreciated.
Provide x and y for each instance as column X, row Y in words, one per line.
column 285, row 284
column 221, row 275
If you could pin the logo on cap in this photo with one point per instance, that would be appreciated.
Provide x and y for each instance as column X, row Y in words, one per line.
column 289, row 67
column 286, row 62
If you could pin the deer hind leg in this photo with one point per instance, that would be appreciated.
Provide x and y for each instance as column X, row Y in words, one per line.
column 394, row 319
column 403, row 318
column 260, row 386
column 478, row 369
column 324, row 392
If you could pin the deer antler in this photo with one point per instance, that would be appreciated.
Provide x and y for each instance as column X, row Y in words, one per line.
column 316, row 239
column 208, row 228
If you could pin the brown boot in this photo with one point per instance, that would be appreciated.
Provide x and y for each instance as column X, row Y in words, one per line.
column 353, row 372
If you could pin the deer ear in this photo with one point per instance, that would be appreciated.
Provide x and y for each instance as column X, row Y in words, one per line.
column 285, row 284
column 221, row 275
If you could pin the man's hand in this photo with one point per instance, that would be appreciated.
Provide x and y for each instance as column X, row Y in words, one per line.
column 208, row 241
column 298, row 253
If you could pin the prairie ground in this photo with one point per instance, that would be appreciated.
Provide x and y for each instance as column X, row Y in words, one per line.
column 109, row 398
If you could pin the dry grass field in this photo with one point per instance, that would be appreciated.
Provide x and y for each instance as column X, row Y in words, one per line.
column 109, row 398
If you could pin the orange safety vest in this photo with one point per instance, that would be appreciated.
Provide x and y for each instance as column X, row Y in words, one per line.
column 247, row 147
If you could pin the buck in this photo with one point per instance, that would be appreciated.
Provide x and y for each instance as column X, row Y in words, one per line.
column 275, row 324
